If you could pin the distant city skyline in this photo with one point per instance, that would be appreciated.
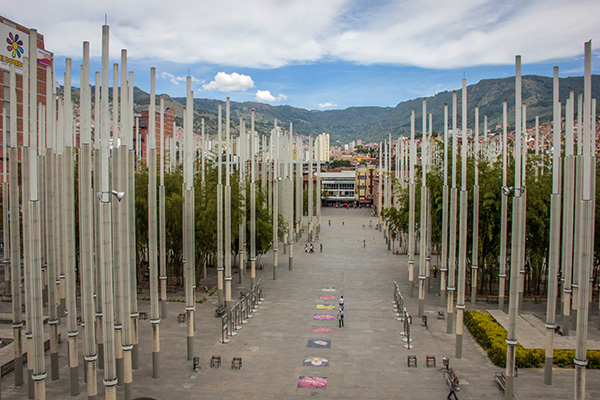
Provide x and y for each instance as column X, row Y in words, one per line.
column 320, row 55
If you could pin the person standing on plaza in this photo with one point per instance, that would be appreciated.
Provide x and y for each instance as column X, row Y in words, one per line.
column 340, row 317
column 341, row 303
column 321, row 247
column 343, row 222
column 306, row 248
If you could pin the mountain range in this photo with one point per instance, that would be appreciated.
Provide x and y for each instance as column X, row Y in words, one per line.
column 372, row 124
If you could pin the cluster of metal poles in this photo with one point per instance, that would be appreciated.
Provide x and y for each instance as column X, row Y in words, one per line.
column 570, row 247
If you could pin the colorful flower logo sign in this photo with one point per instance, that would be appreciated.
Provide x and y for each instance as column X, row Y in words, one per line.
column 15, row 45
column 321, row 329
column 312, row 382
column 315, row 362
column 325, row 307
column 326, row 297
column 323, row 317
column 328, row 289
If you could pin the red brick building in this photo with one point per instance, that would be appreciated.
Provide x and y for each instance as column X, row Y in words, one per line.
column 9, row 31
column 144, row 125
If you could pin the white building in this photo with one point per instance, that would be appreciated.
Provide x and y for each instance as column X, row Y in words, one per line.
column 322, row 147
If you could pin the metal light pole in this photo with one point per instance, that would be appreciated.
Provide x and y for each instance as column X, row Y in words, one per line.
column 462, row 241
column 411, row 204
column 105, row 231
column 452, row 242
column 252, row 203
column 444, row 263
column 162, row 227
column 86, row 235
column 504, row 210
column 309, row 182
column 275, row 178
column 567, row 222
column 290, row 196
column 219, row 153
column 189, row 224
column 475, row 250
column 586, row 228
column 511, row 338
column 227, row 206
column 152, row 227
column 423, row 223
column 554, row 245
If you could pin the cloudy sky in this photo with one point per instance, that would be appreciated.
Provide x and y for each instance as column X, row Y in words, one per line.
column 320, row 54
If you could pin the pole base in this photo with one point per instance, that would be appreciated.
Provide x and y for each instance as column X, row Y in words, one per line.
column 54, row 371
column 120, row 371
column 155, row 364
column 190, row 348
column 74, row 372
column 135, row 357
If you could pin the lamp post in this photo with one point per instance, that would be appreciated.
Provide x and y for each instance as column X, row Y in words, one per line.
column 411, row 203
column 503, row 210
column 452, row 240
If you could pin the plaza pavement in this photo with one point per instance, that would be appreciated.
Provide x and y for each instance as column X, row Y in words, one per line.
column 366, row 358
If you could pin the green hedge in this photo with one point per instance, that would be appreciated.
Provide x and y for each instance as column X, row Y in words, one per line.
column 492, row 337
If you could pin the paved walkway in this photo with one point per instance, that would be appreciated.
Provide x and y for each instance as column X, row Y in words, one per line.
column 283, row 341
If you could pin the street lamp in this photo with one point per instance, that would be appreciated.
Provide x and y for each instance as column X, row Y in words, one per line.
column 512, row 191
column 118, row 195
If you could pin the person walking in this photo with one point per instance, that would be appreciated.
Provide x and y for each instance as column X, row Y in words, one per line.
column 306, row 248
column 321, row 247
column 329, row 222
column 340, row 317
column 312, row 248
column 453, row 389
column 341, row 303
column 364, row 243
column 343, row 221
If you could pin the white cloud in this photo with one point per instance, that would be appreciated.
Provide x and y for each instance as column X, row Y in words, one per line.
column 327, row 105
column 266, row 96
column 176, row 80
column 274, row 33
column 224, row 82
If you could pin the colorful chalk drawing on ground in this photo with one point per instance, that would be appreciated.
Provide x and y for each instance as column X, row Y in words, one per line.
column 312, row 382
column 323, row 317
column 325, row 307
column 328, row 289
column 326, row 297
column 315, row 362
column 319, row 344
column 321, row 329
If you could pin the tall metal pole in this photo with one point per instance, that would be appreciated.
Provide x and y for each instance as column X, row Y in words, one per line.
column 299, row 189
column 86, row 233
column 511, row 338
column 444, row 263
column 5, row 196
column 309, row 182
column 15, row 233
column 241, row 149
column 423, row 223
column 227, row 205
column 411, row 204
column 105, row 254
column 504, row 209
column 130, row 190
column 152, row 227
column 380, row 185
column 252, row 203
column 554, row 245
column 69, row 235
column 462, row 242
column 585, row 234
column 567, row 222
column 188, row 168
column 453, row 205
column 318, row 186
column 162, row 227
column 219, row 154
column 275, row 178
column 290, row 197
column 475, row 249
column 35, row 295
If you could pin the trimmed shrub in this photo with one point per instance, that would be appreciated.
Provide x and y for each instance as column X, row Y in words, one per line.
column 492, row 337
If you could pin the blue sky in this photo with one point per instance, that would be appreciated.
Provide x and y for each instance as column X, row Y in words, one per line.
column 319, row 54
